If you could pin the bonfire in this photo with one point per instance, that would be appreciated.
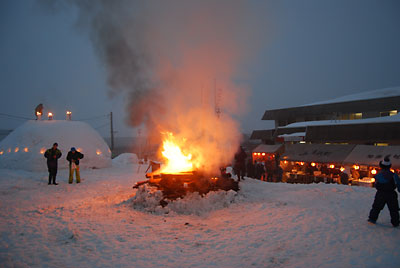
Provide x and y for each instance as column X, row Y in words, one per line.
column 182, row 173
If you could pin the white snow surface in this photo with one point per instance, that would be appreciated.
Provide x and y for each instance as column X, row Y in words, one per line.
column 372, row 94
column 101, row 222
column 24, row 147
column 383, row 119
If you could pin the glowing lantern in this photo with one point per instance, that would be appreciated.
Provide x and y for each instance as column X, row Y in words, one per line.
column 356, row 167
column 263, row 154
column 373, row 172
column 16, row 149
column 392, row 170
column 1, row 152
column 68, row 115
column 42, row 150
column 342, row 169
column 372, row 179
column 50, row 116
column 258, row 153
column 26, row 149
column 39, row 115
column 98, row 152
column 254, row 154
column 313, row 164
column 302, row 163
column 79, row 149
column 331, row 166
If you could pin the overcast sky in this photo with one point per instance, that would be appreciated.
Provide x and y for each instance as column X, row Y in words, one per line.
column 306, row 51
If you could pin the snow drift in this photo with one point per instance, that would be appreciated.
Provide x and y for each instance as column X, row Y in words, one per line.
column 24, row 147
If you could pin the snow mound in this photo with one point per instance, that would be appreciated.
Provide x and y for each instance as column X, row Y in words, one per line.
column 147, row 198
column 125, row 159
column 25, row 146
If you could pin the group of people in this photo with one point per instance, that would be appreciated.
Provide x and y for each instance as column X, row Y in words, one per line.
column 73, row 157
column 266, row 171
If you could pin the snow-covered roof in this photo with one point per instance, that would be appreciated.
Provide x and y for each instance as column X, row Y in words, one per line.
column 373, row 94
column 384, row 119
column 24, row 147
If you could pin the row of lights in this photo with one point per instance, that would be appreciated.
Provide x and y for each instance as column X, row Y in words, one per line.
column 68, row 115
column 356, row 167
column 42, row 150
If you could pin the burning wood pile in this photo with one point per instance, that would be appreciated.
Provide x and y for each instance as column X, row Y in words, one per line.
column 179, row 177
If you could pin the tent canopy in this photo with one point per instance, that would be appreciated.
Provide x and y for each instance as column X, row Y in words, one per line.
column 266, row 148
column 371, row 155
column 321, row 153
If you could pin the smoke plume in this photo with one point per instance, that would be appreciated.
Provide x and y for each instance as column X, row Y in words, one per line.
column 177, row 63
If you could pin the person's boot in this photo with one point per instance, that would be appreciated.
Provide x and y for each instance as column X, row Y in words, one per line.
column 54, row 181
column 49, row 179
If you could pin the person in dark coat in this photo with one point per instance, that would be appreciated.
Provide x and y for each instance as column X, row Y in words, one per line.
column 52, row 155
column 240, row 163
column 385, row 184
column 260, row 170
column 38, row 110
column 250, row 169
column 73, row 158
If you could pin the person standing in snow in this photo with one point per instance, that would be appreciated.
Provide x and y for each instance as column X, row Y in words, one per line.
column 240, row 163
column 52, row 156
column 385, row 184
column 73, row 158
column 38, row 109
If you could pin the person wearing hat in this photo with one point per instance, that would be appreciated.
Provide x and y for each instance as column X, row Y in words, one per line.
column 73, row 158
column 52, row 156
column 385, row 184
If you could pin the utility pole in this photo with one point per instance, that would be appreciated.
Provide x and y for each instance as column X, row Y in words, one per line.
column 217, row 99
column 112, row 132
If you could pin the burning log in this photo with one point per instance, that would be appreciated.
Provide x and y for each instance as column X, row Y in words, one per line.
column 174, row 186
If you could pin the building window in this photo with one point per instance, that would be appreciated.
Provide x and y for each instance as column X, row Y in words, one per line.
column 355, row 116
column 389, row 113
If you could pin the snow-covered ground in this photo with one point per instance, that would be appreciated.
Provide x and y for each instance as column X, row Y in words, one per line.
column 94, row 224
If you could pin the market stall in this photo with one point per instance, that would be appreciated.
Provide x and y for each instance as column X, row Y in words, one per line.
column 364, row 162
column 307, row 163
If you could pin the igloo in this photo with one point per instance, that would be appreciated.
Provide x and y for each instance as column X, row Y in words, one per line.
column 25, row 146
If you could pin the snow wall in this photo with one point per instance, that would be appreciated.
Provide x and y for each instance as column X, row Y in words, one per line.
column 24, row 147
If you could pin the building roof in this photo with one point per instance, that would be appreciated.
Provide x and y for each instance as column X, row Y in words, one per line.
column 382, row 99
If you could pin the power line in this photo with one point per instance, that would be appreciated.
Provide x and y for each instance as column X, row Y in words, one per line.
column 102, row 126
column 15, row 116
column 93, row 118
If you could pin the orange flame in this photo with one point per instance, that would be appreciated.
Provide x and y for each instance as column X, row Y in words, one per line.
column 177, row 161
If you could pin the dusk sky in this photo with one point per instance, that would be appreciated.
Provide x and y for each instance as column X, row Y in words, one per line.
column 297, row 52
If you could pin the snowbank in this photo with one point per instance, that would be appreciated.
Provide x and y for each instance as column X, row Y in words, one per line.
column 125, row 159
column 24, row 147
column 148, row 199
